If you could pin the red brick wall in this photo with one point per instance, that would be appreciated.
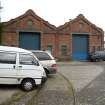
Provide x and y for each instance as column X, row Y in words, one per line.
column 64, row 40
column 10, row 39
column 75, row 27
column 95, row 37
column 49, row 39
column 95, row 40
column 52, row 36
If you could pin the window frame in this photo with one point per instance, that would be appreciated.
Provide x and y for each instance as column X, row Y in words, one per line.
column 50, row 47
column 32, row 62
column 64, row 50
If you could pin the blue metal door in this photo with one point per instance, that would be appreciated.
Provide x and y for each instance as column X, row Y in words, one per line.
column 29, row 40
column 79, row 47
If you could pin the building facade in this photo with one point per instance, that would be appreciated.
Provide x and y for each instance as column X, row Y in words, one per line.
column 74, row 40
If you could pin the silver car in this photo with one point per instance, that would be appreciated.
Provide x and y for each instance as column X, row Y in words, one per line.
column 47, row 60
column 97, row 56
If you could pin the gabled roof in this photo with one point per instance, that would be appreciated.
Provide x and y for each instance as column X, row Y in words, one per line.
column 32, row 13
column 80, row 17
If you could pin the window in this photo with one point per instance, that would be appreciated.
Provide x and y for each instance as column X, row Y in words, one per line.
column 49, row 48
column 81, row 26
column 8, row 58
column 27, row 59
column 42, row 56
column 64, row 50
column 30, row 22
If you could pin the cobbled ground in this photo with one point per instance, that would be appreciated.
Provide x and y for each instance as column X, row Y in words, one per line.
column 56, row 91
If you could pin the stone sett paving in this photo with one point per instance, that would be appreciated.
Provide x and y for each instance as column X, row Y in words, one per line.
column 88, row 80
column 54, row 92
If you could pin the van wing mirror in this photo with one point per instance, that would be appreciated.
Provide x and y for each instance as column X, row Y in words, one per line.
column 36, row 62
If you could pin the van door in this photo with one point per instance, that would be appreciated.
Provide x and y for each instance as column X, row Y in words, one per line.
column 28, row 67
column 7, row 68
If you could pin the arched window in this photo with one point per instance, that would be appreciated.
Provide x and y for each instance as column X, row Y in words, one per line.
column 29, row 22
column 81, row 26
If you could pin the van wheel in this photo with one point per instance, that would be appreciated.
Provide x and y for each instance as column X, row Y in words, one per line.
column 28, row 84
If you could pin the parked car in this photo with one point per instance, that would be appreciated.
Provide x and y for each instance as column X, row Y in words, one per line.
column 47, row 61
column 97, row 56
column 19, row 66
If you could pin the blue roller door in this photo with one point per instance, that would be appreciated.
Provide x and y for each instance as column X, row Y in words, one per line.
column 79, row 47
column 29, row 40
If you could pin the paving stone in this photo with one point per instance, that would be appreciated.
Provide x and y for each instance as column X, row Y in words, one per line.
column 55, row 92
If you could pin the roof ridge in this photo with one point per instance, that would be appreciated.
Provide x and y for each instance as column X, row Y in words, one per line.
column 30, row 11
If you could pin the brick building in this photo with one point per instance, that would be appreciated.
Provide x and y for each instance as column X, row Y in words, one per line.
column 75, row 39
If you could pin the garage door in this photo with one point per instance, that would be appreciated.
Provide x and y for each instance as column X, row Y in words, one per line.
column 79, row 47
column 29, row 40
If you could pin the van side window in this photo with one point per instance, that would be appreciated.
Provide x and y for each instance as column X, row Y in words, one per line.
column 8, row 58
column 26, row 59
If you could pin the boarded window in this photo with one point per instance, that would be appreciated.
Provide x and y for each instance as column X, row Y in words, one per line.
column 64, row 50
column 50, row 48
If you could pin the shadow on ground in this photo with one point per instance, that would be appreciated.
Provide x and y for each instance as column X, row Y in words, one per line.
column 10, row 87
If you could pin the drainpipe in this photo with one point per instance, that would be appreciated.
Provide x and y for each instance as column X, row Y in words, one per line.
column 102, row 41
column 1, row 26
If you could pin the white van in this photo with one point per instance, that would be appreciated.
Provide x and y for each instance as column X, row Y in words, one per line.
column 19, row 66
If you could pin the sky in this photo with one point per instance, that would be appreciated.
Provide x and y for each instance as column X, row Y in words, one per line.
column 56, row 12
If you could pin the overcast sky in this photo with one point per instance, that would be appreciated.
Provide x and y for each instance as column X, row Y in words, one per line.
column 57, row 12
